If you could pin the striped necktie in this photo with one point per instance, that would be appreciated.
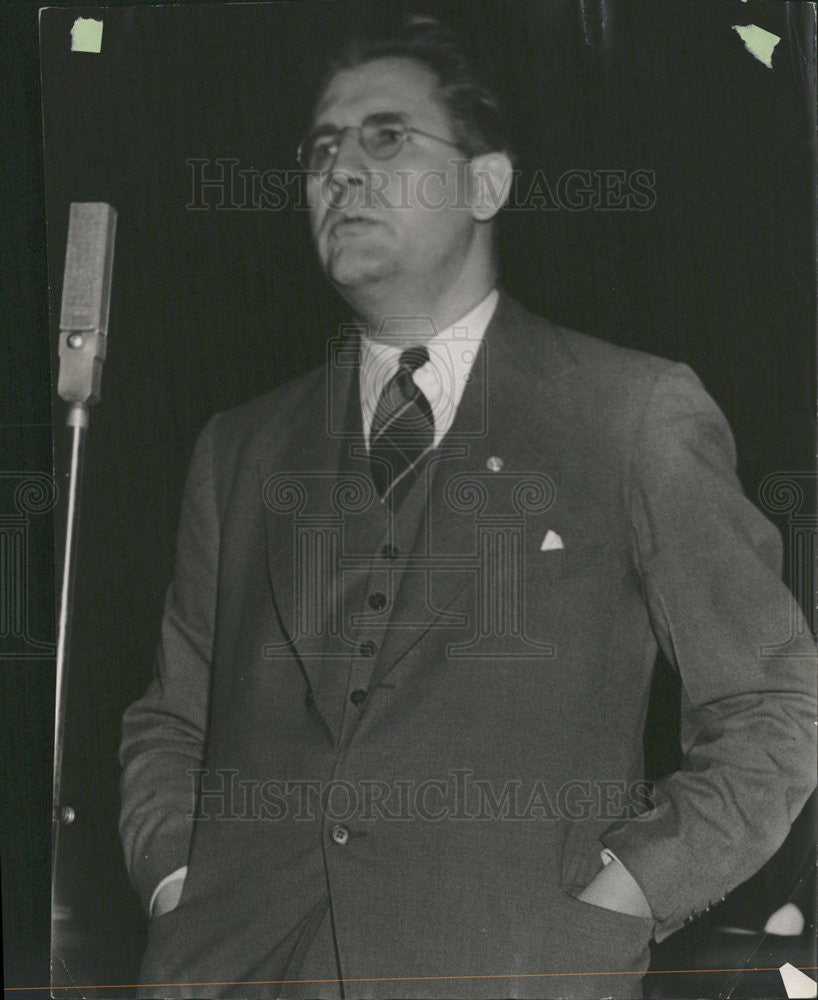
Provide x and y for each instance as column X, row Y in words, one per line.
column 403, row 427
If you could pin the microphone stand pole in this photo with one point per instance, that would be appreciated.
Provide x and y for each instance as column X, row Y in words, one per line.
column 77, row 421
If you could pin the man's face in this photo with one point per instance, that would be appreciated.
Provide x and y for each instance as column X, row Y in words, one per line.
column 399, row 224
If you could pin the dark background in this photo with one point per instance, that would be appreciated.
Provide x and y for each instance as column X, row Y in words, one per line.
column 212, row 307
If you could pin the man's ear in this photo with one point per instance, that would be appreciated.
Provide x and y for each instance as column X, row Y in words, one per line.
column 490, row 176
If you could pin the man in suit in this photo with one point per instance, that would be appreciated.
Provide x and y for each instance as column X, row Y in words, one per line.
column 393, row 746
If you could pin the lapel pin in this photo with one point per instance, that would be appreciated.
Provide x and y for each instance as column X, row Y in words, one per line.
column 494, row 464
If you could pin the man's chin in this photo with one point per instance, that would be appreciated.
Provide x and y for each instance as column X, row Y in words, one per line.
column 356, row 270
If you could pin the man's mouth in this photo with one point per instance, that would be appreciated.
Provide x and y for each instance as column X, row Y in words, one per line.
column 352, row 223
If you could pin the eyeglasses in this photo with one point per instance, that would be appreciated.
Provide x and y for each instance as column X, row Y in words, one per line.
column 381, row 135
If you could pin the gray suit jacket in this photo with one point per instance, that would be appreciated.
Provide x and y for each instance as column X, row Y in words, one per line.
column 441, row 773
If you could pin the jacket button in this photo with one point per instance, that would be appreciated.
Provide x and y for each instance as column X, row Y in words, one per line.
column 390, row 552
column 340, row 834
column 377, row 601
column 367, row 648
column 358, row 697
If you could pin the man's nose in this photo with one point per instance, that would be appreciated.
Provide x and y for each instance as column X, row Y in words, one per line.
column 350, row 153
column 349, row 167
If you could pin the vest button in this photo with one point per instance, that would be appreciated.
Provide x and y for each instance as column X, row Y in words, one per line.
column 377, row 601
column 340, row 834
column 367, row 648
column 390, row 552
column 358, row 697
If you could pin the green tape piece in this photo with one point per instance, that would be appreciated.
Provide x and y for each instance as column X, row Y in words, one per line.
column 86, row 35
column 758, row 42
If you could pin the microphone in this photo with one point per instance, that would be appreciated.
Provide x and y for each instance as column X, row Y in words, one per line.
column 86, row 297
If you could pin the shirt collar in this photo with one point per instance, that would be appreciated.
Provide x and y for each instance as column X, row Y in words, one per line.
column 442, row 379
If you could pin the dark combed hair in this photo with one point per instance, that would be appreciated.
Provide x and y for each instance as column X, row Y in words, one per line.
column 474, row 109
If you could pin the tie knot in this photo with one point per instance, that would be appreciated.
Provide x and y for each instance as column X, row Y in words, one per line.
column 413, row 358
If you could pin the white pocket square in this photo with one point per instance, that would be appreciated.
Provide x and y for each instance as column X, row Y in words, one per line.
column 551, row 541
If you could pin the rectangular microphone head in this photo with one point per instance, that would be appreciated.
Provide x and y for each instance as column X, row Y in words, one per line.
column 86, row 298
column 89, row 257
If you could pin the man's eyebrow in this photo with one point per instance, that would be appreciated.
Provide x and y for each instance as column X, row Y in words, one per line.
column 388, row 116
column 378, row 117
column 324, row 127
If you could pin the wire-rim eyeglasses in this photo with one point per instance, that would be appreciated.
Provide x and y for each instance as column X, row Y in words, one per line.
column 381, row 135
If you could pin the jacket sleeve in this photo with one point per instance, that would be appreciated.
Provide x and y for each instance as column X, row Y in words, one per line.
column 164, row 732
column 710, row 566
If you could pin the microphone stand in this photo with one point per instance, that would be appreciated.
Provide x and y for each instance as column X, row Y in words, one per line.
column 86, row 297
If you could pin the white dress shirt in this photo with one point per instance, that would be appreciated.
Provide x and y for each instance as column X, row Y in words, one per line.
column 442, row 379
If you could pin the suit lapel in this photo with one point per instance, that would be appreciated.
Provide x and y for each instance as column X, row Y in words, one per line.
column 299, row 482
column 509, row 431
